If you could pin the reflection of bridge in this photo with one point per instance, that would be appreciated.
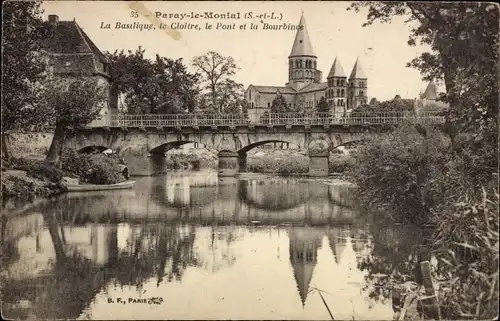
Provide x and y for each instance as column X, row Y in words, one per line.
column 229, row 201
column 233, row 135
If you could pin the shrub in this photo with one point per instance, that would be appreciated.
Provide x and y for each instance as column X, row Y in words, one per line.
column 92, row 168
column 286, row 164
column 403, row 173
column 340, row 163
column 45, row 171
column 467, row 249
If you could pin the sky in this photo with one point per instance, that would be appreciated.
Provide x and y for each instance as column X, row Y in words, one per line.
column 262, row 55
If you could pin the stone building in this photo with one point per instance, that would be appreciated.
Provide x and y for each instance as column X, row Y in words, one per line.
column 305, row 86
column 71, row 53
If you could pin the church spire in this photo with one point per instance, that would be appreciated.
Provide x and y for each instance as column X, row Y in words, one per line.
column 302, row 44
column 431, row 91
column 357, row 71
column 336, row 70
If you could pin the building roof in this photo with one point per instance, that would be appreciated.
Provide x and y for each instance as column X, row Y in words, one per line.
column 314, row 87
column 431, row 91
column 67, row 37
column 274, row 89
column 336, row 70
column 357, row 71
column 302, row 44
column 71, row 50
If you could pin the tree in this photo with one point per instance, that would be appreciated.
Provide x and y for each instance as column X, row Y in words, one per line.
column 279, row 104
column 69, row 104
column 464, row 41
column 374, row 101
column 215, row 71
column 231, row 97
column 323, row 106
column 162, row 86
column 23, row 67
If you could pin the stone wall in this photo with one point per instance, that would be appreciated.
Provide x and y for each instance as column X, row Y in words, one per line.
column 29, row 144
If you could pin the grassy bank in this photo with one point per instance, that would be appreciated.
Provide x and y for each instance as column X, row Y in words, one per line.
column 25, row 179
column 292, row 162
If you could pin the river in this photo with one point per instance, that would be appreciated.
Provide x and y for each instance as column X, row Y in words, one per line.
column 251, row 247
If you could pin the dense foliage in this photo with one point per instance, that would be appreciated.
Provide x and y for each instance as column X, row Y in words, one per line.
column 22, row 66
column 69, row 104
column 323, row 106
column 92, row 168
column 464, row 41
column 159, row 86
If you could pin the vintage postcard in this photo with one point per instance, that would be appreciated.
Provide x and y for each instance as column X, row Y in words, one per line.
column 290, row 160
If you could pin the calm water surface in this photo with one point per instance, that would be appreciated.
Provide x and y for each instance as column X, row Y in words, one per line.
column 208, row 248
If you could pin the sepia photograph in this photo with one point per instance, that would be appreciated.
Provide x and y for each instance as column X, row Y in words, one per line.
column 249, row 160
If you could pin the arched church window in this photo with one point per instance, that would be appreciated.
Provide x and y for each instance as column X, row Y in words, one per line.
column 252, row 104
column 342, row 93
column 361, row 93
column 297, row 64
column 338, row 92
column 268, row 104
column 301, row 74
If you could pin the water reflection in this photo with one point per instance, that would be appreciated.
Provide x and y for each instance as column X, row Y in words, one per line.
column 195, row 243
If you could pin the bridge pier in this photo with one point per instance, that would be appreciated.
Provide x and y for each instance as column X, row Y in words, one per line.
column 319, row 165
column 228, row 163
column 242, row 158
column 318, row 158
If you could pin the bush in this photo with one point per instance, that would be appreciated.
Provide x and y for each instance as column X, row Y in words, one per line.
column 340, row 163
column 45, row 171
column 92, row 168
column 403, row 174
column 286, row 164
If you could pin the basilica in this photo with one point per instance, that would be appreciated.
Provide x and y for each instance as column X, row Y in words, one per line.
column 305, row 86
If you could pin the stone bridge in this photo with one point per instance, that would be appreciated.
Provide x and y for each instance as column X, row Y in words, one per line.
column 143, row 140
column 144, row 148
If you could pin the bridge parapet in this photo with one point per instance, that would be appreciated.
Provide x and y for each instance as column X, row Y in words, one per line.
column 270, row 119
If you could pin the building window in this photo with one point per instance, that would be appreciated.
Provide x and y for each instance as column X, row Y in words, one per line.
column 268, row 104
column 361, row 93
column 342, row 93
column 338, row 92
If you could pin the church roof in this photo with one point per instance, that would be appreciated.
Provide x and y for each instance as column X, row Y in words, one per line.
column 336, row 70
column 314, row 87
column 274, row 89
column 302, row 44
column 431, row 91
column 357, row 71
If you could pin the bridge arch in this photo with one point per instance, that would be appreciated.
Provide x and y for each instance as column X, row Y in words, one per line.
column 93, row 149
column 165, row 147
column 260, row 143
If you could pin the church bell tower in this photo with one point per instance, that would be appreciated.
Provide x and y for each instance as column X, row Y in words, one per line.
column 302, row 62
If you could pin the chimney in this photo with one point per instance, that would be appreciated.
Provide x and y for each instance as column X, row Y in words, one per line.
column 53, row 19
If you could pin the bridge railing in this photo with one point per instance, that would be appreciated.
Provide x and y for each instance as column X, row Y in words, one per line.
column 303, row 118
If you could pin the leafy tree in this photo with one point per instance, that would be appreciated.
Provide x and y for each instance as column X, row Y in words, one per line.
column 374, row 101
column 464, row 41
column 70, row 103
column 216, row 71
column 323, row 106
column 279, row 104
column 23, row 67
column 162, row 86
column 231, row 97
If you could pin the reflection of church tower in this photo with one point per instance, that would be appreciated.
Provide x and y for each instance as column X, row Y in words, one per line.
column 304, row 245
column 336, row 242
